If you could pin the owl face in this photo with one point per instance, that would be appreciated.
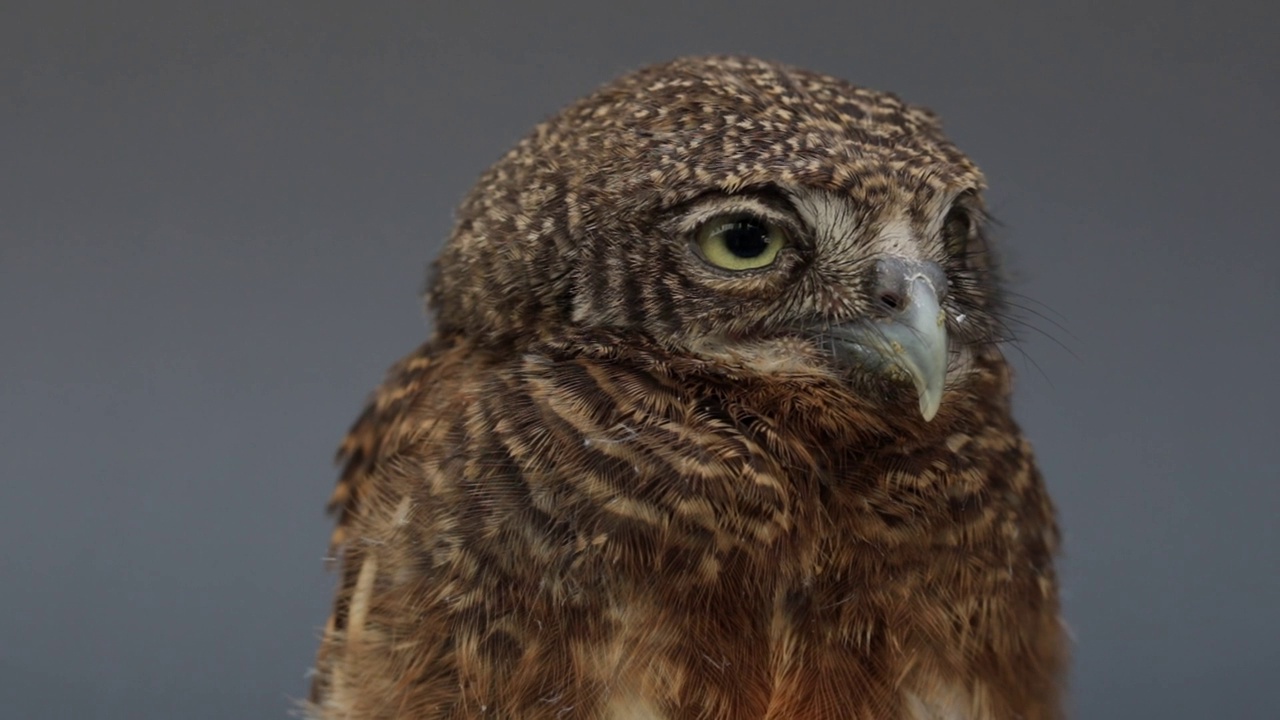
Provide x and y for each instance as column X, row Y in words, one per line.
column 761, row 218
column 892, row 296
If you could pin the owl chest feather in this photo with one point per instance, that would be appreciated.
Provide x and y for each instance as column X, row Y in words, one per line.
column 953, row 707
column 657, row 686
column 809, row 647
column 585, row 540
column 761, row 574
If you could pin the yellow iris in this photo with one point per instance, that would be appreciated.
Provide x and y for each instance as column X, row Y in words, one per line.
column 740, row 242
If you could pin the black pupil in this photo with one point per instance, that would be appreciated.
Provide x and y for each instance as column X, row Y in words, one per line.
column 746, row 238
column 957, row 226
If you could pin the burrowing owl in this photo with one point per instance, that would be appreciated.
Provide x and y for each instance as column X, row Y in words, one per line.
column 713, row 424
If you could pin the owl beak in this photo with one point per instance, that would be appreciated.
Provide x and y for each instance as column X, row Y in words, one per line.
column 907, row 340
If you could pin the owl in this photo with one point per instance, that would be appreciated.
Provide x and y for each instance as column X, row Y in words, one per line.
column 714, row 423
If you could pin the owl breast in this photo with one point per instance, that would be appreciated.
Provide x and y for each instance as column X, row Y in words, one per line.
column 660, row 686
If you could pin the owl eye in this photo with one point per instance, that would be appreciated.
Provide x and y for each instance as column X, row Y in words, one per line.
column 956, row 228
column 740, row 242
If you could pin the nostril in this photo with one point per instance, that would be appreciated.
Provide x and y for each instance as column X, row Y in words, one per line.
column 891, row 300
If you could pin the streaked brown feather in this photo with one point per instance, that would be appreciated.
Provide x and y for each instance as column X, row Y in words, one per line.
column 379, row 428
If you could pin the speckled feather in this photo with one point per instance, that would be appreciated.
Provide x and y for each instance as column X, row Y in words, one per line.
column 613, row 485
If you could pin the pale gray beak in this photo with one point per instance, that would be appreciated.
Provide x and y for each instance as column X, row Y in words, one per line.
column 907, row 339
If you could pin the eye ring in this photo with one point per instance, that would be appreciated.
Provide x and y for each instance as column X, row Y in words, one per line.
column 740, row 241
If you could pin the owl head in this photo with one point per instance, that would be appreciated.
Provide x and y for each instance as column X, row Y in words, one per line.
column 755, row 216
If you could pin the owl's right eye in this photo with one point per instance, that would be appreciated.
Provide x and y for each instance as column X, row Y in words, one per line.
column 740, row 241
column 956, row 230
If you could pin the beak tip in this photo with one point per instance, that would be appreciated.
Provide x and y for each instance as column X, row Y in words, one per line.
column 929, row 390
column 929, row 407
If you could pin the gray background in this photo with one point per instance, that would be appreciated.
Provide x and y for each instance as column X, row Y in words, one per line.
column 214, row 223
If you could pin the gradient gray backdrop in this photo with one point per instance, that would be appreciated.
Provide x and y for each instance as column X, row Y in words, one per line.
column 214, row 223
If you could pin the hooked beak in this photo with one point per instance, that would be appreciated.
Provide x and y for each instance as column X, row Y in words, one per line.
column 907, row 340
